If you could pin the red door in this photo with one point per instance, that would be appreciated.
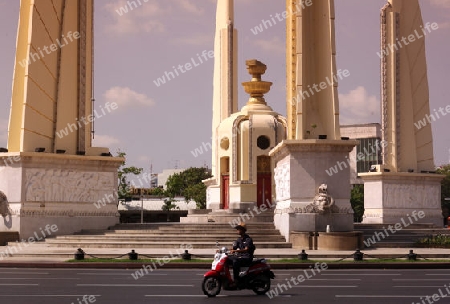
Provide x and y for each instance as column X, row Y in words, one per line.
column 264, row 186
column 225, row 191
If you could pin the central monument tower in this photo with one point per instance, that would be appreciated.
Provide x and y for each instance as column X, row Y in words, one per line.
column 308, row 199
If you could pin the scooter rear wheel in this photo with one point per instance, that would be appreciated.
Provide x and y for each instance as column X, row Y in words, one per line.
column 211, row 286
column 261, row 284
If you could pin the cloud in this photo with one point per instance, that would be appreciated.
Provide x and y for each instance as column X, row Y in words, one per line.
column 144, row 159
column 441, row 3
column 275, row 45
column 191, row 8
column 358, row 107
column 444, row 25
column 125, row 96
column 129, row 18
column 105, row 141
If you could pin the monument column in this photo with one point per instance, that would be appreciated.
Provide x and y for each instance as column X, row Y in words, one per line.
column 305, row 162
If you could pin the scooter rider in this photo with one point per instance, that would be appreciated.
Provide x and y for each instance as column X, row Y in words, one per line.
column 244, row 249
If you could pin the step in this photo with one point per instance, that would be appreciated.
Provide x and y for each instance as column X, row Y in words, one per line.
column 166, row 238
column 195, row 245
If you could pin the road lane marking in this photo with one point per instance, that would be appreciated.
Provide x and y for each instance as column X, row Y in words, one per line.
column 119, row 274
column 134, row 285
column 378, row 296
column 41, row 295
column 40, row 278
column 200, row 296
column 417, row 280
column 325, row 286
column 178, row 296
column 11, row 272
column 411, row 286
column 361, row 274
column 13, row 284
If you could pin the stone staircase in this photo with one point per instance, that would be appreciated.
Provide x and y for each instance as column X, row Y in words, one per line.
column 404, row 238
column 170, row 235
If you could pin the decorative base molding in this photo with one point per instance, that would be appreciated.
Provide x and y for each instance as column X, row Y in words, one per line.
column 391, row 197
column 301, row 167
column 71, row 192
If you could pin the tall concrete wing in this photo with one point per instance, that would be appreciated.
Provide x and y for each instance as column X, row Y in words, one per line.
column 52, row 82
column 405, row 95
column 225, row 72
column 50, row 173
column 311, row 61
column 406, row 181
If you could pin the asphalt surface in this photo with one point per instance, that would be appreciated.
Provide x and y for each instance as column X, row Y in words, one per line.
column 184, row 286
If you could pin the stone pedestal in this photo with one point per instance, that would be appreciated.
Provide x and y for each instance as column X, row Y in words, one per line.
column 393, row 197
column 70, row 191
column 242, row 197
column 301, row 166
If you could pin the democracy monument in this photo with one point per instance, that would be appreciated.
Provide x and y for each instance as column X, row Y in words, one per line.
column 260, row 159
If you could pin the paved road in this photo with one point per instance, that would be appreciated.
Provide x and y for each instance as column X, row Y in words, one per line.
column 184, row 286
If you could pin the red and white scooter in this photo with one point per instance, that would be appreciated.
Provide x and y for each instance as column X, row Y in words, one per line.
column 255, row 277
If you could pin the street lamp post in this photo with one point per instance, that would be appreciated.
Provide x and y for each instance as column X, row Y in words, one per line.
column 142, row 208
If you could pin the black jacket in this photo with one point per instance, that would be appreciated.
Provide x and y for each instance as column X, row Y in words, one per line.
column 245, row 242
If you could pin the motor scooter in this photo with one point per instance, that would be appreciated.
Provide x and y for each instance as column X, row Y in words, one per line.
column 255, row 276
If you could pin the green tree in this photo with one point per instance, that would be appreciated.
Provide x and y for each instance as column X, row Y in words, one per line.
column 158, row 192
column 123, row 172
column 197, row 193
column 445, row 189
column 189, row 185
column 357, row 202
column 169, row 204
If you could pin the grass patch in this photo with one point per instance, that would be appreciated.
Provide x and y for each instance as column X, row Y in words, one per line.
column 434, row 241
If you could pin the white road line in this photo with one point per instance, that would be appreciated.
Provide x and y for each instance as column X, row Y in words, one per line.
column 199, row 296
column 325, row 286
column 418, row 280
column 11, row 272
column 119, row 274
column 439, row 274
column 335, row 280
column 40, row 278
column 40, row 295
column 12, row 284
column 133, row 285
column 378, row 296
column 360, row 274
column 181, row 296
column 330, row 280
column 411, row 286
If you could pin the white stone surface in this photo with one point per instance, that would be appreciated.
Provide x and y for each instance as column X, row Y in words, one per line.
column 300, row 168
column 64, row 190
column 390, row 197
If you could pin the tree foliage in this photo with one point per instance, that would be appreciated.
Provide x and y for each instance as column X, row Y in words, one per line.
column 196, row 193
column 189, row 185
column 169, row 204
column 445, row 189
column 123, row 172
column 357, row 202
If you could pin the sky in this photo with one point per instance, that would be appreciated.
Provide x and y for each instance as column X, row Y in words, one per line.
column 167, row 125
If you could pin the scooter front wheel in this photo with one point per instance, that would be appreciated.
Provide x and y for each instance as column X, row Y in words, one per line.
column 211, row 286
